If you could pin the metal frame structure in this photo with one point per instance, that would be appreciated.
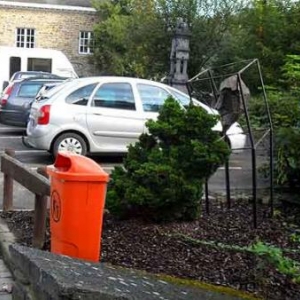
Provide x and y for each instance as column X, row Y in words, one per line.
column 253, row 146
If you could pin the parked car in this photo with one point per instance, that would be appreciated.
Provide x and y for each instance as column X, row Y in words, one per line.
column 30, row 74
column 16, row 99
column 103, row 115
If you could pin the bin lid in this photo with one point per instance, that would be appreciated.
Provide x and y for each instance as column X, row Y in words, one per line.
column 74, row 167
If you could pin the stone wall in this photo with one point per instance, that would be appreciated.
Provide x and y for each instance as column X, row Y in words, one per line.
column 40, row 275
column 54, row 28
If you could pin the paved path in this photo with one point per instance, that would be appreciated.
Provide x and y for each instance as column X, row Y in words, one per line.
column 6, row 281
column 6, row 278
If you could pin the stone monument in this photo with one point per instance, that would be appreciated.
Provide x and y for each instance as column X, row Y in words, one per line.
column 179, row 56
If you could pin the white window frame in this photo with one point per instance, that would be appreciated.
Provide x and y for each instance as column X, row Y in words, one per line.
column 85, row 42
column 25, row 37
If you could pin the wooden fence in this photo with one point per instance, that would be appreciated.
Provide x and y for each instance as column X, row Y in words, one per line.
column 36, row 182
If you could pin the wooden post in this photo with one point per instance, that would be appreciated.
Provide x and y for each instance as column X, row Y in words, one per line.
column 8, row 186
column 40, row 216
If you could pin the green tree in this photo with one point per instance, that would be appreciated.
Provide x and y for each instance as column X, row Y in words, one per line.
column 265, row 29
column 285, row 112
column 130, row 39
column 291, row 72
column 164, row 171
column 134, row 36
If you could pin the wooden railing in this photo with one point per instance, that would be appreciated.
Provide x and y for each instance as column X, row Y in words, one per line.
column 35, row 182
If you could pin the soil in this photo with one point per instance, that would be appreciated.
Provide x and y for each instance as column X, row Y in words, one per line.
column 178, row 249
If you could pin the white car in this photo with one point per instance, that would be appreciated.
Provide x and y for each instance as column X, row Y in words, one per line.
column 103, row 115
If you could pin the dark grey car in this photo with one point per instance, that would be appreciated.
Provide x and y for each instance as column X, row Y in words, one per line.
column 16, row 100
column 31, row 74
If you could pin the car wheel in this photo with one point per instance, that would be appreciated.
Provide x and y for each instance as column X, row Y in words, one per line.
column 71, row 142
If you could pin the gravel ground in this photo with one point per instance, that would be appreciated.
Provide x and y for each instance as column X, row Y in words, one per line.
column 177, row 248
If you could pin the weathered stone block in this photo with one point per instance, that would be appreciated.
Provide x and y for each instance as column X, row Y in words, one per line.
column 56, row 277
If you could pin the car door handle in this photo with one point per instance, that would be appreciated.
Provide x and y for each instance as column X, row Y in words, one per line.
column 97, row 114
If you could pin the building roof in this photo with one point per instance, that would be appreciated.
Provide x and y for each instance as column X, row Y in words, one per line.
column 80, row 3
column 69, row 5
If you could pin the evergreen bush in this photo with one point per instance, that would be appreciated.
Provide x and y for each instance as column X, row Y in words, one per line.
column 285, row 113
column 163, row 173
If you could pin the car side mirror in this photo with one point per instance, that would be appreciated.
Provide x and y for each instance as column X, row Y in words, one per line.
column 5, row 84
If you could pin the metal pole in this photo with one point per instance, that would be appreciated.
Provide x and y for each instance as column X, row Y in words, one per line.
column 197, row 76
column 228, row 196
column 189, row 89
column 254, row 187
column 248, row 66
column 206, row 197
column 253, row 154
column 271, row 174
column 271, row 143
column 213, row 87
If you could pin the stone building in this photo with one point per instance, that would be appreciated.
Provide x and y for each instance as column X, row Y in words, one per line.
column 62, row 25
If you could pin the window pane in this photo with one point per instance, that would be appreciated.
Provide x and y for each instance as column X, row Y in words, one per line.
column 82, row 95
column 29, row 90
column 56, row 89
column 183, row 98
column 115, row 95
column 85, row 42
column 39, row 64
column 152, row 97
column 25, row 37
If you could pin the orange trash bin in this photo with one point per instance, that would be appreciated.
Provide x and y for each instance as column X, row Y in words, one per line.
column 78, row 191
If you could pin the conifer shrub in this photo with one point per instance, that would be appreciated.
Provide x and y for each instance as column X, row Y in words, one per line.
column 163, row 173
column 285, row 113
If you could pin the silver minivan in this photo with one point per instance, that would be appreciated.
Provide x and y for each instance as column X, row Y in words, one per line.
column 103, row 115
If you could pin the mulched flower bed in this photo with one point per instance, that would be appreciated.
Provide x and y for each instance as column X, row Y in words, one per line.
column 190, row 249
